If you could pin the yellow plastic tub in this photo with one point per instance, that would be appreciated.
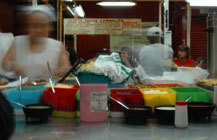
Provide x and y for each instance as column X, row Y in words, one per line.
column 154, row 99
column 63, row 114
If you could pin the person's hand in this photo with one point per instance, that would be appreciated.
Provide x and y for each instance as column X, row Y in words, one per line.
column 124, row 60
column 19, row 68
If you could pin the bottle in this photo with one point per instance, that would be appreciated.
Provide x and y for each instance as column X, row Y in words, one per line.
column 181, row 114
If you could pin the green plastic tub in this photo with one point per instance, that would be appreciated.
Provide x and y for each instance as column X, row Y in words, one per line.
column 198, row 94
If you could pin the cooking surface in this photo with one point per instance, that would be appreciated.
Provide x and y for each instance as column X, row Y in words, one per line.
column 72, row 129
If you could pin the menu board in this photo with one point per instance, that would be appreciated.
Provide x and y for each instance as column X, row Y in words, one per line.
column 101, row 26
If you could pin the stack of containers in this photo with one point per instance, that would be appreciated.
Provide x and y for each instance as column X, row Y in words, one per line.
column 126, row 96
column 158, row 96
column 63, row 101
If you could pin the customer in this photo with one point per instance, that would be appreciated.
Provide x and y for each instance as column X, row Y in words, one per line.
column 126, row 56
column 29, row 54
column 184, row 57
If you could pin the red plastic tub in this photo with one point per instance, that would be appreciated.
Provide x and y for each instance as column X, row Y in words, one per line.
column 62, row 100
column 168, row 85
column 126, row 96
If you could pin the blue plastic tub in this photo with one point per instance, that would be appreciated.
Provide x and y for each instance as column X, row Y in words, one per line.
column 90, row 78
column 28, row 95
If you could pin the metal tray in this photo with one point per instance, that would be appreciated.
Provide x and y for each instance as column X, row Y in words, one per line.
column 200, row 84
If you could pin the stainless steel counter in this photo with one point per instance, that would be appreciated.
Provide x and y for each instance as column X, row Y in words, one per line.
column 73, row 129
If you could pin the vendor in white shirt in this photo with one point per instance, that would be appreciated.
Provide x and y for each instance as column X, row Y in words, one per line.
column 155, row 58
column 29, row 54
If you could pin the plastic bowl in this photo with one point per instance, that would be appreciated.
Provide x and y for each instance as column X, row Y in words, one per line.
column 137, row 114
column 165, row 113
column 200, row 111
column 40, row 112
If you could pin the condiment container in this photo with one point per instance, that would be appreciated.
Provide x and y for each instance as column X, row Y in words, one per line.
column 181, row 114
column 93, row 102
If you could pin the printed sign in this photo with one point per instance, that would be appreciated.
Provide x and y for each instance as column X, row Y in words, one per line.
column 98, row 102
column 101, row 26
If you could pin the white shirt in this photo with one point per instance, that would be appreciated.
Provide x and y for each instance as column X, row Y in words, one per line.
column 36, row 63
column 6, row 40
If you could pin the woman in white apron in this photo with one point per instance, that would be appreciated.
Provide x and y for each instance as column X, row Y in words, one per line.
column 29, row 54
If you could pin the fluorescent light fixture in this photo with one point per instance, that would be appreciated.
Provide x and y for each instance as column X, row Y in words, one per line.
column 76, row 11
column 79, row 10
column 70, row 10
column 203, row 3
column 116, row 3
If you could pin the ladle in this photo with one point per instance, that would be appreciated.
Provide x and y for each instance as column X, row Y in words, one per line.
column 120, row 103
column 19, row 104
column 189, row 98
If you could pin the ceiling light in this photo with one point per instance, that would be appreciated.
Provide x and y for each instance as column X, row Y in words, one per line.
column 70, row 10
column 79, row 10
column 76, row 11
column 116, row 3
column 203, row 3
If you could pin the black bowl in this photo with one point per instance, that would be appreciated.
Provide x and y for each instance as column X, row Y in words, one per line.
column 40, row 112
column 137, row 114
column 164, row 115
column 199, row 111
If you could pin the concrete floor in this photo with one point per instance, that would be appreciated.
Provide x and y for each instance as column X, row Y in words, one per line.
column 73, row 129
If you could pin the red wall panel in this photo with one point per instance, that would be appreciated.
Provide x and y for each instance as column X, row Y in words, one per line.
column 198, row 38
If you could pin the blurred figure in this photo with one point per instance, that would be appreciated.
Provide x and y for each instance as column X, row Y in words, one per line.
column 6, row 119
column 69, row 43
column 6, row 40
column 29, row 54
column 126, row 56
column 156, row 57
column 184, row 57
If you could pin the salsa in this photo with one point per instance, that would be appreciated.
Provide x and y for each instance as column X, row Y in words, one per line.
column 137, row 108
column 38, row 107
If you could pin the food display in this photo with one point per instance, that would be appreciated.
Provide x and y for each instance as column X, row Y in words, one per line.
column 210, row 82
column 40, row 81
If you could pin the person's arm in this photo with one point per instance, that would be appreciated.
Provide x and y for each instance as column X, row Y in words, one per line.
column 8, row 63
column 64, row 63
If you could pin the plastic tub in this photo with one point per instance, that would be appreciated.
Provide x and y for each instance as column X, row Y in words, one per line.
column 126, row 96
column 90, row 78
column 28, row 95
column 155, row 99
column 63, row 101
column 197, row 94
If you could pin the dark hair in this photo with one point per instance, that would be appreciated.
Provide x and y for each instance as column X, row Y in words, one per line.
column 128, row 50
column 184, row 48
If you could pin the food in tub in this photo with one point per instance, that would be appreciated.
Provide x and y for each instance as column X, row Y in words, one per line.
column 141, row 86
column 165, row 108
column 2, row 82
column 155, row 92
column 137, row 108
column 59, row 85
column 210, row 82
column 38, row 107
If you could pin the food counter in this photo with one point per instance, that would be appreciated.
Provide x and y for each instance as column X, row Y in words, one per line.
column 73, row 129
